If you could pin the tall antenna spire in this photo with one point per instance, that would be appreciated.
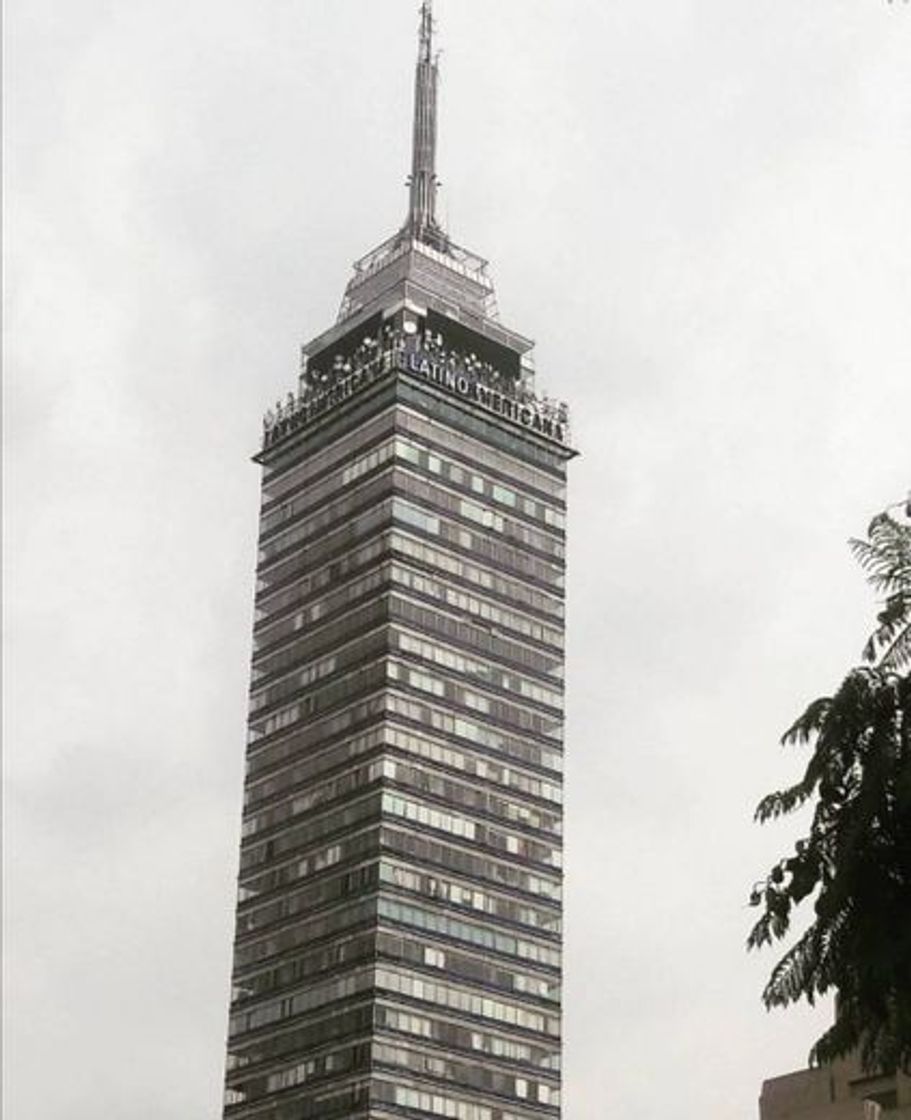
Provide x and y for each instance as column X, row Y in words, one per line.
column 422, row 222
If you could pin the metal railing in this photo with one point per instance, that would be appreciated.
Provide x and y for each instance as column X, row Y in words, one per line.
column 424, row 353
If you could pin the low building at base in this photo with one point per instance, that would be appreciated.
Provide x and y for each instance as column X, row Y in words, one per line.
column 841, row 1091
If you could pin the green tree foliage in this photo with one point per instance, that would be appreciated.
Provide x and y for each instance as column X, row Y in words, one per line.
column 855, row 864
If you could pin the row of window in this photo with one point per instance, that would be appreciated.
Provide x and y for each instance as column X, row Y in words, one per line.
column 342, row 509
column 322, row 1065
column 362, row 947
column 322, row 549
column 278, row 483
column 315, row 862
column 307, row 899
column 470, row 966
column 313, row 613
column 480, row 453
column 342, row 688
column 422, row 746
column 500, row 711
column 419, row 779
column 370, row 806
column 350, row 628
column 448, row 595
column 489, row 492
column 275, row 652
column 438, row 1104
column 487, row 672
column 369, row 643
column 513, row 748
column 321, row 1029
column 401, row 983
column 429, row 816
column 313, row 765
column 366, row 646
column 476, row 635
column 266, row 757
column 377, row 673
column 344, row 1023
column 442, row 721
column 515, row 442
column 455, row 1036
column 361, row 980
column 446, row 502
column 338, row 819
column 517, row 590
column 255, row 974
column 486, row 937
column 341, row 952
column 298, row 679
column 478, row 1077
column 334, row 482
column 471, row 897
column 448, row 723
column 276, row 603
column 424, row 849
column 305, row 801
column 427, row 850
column 488, row 770
column 461, row 826
column 465, row 1002
column 255, row 950
column 352, row 1100
column 325, row 514
column 290, row 475
column 273, row 626
column 484, row 486
column 504, row 555
column 457, row 796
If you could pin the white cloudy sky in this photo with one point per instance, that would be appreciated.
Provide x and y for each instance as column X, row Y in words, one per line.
column 700, row 209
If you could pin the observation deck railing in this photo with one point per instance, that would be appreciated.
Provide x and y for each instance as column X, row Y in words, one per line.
column 426, row 354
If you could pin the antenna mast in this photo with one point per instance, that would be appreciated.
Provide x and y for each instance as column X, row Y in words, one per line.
column 422, row 222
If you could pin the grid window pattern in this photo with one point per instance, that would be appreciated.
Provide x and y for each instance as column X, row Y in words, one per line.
column 397, row 947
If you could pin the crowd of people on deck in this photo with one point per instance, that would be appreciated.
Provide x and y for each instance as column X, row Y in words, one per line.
column 432, row 344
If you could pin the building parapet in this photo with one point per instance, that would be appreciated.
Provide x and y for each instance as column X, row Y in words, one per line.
column 425, row 357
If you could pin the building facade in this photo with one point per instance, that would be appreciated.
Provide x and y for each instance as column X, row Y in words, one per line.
column 397, row 949
column 840, row 1091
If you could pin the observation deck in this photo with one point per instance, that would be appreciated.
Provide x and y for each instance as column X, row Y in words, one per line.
column 404, row 348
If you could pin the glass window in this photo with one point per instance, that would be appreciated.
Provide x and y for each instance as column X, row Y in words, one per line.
column 457, row 894
column 294, row 473
column 465, row 1000
column 436, row 719
column 410, row 514
column 486, row 937
column 479, row 452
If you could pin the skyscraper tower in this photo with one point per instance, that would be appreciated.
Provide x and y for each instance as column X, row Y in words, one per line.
column 397, row 948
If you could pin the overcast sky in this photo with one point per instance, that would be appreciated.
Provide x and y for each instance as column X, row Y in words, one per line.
column 700, row 210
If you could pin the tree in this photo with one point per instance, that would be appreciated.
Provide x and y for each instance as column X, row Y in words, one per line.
column 855, row 863
column 886, row 557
